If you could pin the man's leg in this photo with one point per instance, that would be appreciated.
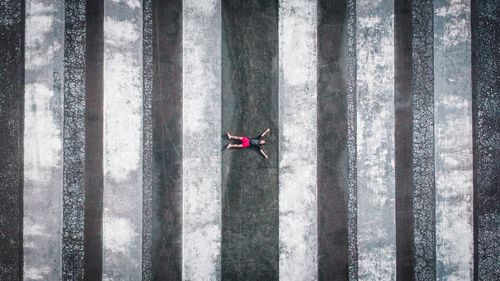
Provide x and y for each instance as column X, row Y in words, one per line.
column 234, row 146
column 233, row 137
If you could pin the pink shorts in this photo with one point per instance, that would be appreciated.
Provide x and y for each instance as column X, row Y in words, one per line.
column 245, row 141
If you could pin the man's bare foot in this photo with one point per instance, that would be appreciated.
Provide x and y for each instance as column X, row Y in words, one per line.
column 228, row 146
column 228, row 135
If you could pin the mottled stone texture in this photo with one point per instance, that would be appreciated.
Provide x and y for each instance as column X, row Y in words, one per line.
column 43, row 139
column 422, row 99
column 486, row 126
column 147, row 135
column 375, row 140
column 335, row 102
column 11, row 150
column 298, row 241
column 166, row 251
column 74, row 140
column 453, row 140
column 201, row 141
column 93, row 140
column 352, row 203
column 123, row 140
column 250, row 216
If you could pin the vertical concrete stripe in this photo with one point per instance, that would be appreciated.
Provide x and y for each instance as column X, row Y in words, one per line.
column 403, row 140
column 422, row 102
column 123, row 140
column 250, row 215
column 297, row 140
column 92, row 239
column 333, row 155
column 486, row 126
column 352, row 200
column 147, row 147
column 201, row 141
column 166, row 255
column 453, row 140
column 43, row 139
column 11, row 141
column 74, row 140
column 375, row 140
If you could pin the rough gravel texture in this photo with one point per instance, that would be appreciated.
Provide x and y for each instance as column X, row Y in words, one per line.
column 11, row 126
column 486, row 114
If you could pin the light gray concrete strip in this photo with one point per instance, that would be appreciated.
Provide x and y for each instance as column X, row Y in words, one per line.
column 375, row 140
column 43, row 139
column 201, row 180
column 453, row 140
column 297, row 140
column 123, row 140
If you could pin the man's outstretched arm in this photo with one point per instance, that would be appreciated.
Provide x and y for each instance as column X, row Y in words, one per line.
column 263, row 153
column 265, row 132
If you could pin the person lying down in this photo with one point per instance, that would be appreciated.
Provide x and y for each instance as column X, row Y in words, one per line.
column 247, row 142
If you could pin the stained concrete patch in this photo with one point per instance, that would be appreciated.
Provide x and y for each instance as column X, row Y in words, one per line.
column 123, row 141
column 43, row 140
column 453, row 140
column 375, row 140
column 298, row 159
column 201, row 147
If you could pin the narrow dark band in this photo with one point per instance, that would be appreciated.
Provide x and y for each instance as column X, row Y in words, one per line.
column 333, row 156
column 93, row 141
column 250, row 211
column 74, row 140
column 166, row 228
column 422, row 12
column 352, row 205
column 486, row 136
column 147, row 128
column 403, row 140
column 12, row 15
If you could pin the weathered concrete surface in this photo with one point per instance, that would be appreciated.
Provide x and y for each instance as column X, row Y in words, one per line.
column 486, row 113
column 11, row 141
column 250, row 215
column 423, row 140
column 336, row 148
column 375, row 140
column 453, row 140
column 201, row 142
column 43, row 139
column 122, row 151
column 297, row 140
column 74, row 140
column 166, row 255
